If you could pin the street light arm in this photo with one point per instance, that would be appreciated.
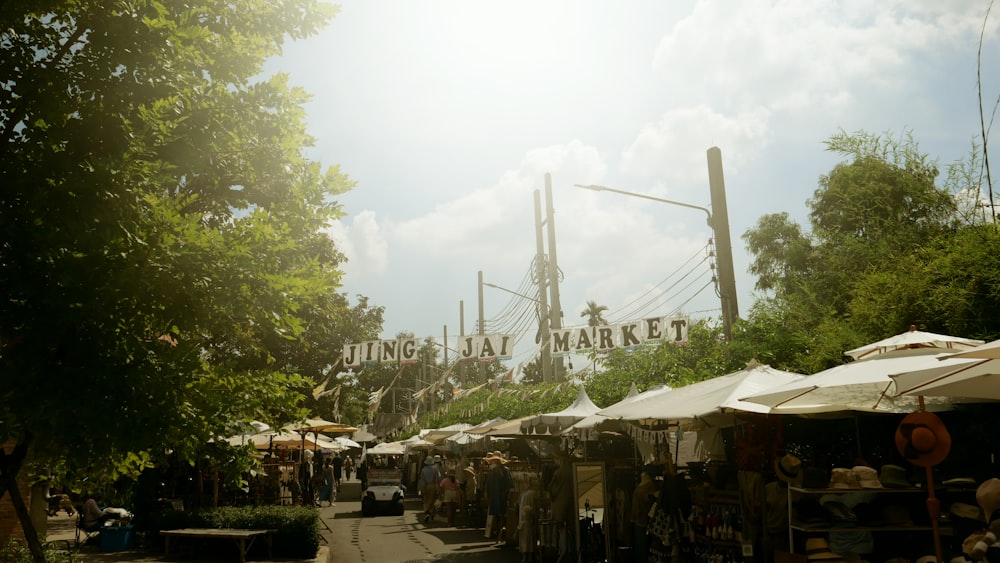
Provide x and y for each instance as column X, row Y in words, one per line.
column 521, row 295
column 597, row 188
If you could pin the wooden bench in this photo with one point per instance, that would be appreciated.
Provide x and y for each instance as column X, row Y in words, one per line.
column 243, row 538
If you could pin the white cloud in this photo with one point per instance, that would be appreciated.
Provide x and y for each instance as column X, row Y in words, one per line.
column 482, row 224
column 363, row 244
column 674, row 147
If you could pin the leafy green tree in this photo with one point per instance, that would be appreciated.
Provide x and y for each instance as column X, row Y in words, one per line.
column 162, row 257
column 594, row 314
column 870, row 217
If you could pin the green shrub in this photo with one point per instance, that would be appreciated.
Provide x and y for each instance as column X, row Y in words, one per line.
column 16, row 551
column 298, row 527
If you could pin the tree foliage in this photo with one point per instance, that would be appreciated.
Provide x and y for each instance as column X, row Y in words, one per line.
column 888, row 248
column 163, row 260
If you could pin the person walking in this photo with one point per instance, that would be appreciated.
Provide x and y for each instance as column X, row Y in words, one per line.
column 363, row 474
column 328, row 493
column 348, row 467
column 499, row 483
column 338, row 470
column 450, row 495
column 427, row 485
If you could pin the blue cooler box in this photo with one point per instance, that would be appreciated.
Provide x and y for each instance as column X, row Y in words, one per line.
column 116, row 538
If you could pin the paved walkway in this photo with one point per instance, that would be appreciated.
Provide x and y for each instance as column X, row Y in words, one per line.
column 348, row 538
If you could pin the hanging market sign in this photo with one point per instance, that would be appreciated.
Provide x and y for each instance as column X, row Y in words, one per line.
column 484, row 348
column 629, row 335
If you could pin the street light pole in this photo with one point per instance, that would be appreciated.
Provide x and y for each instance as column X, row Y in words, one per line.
column 544, row 329
column 720, row 232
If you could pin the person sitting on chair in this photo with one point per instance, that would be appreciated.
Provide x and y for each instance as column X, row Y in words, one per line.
column 93, row 516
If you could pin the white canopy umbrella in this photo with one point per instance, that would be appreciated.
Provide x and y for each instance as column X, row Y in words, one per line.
column 862, row 385
column 953, row 377
column 555, row 422
column 704, row 402
column 911, row 339
column 273, row 439
column 988, row 351
column 346, row 442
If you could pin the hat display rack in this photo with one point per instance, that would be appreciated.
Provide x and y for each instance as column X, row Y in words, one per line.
column 923, row 440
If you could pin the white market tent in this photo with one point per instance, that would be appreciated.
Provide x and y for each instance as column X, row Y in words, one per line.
column 555, row 422
column 587, row 427
column 704, row 403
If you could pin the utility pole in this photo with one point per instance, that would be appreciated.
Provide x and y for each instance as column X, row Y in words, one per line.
column 555, row 311
column 461, row 332
column 723, row 245
column 482, row 328
column 445, row 347
column 543, row 302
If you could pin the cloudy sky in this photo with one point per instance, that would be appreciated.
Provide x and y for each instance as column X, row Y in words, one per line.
column 448, row 114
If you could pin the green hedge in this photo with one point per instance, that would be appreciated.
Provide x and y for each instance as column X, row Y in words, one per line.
column 298, row 528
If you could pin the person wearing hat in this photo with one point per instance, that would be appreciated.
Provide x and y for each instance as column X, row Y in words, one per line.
column 470, row 484
column 788, row 470
column 427, row 485
column 498, row 485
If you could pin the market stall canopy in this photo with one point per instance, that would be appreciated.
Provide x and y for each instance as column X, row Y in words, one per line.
column 555, row 422
column 953, row 377
column 705, row 402
column 911, row 339
column 438, row 435
column 363, row 435
column 484, row 427
column 320, row 425
column 284, row 440
column 388, row 448
column 506, row 429
column 863, row 385
column 587, row 427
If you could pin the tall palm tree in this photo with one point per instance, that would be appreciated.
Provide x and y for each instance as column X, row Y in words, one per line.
column 594, row 315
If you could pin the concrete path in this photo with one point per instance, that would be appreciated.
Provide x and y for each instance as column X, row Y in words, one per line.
column 348, row 538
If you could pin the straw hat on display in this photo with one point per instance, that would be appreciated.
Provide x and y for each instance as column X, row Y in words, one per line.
column 922, row 439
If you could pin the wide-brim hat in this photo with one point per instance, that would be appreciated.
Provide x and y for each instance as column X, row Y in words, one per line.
column 867, row 477
column 469, row 469
column 964, row 510
column 988, row 497
column 818, row 549
column 429, row 461
column 893, row 476
column 495, row 457
column 843, row 478
column 922, row 439
column 788, row 468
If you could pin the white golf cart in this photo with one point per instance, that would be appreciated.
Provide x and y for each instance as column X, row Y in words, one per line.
column 385, row 492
